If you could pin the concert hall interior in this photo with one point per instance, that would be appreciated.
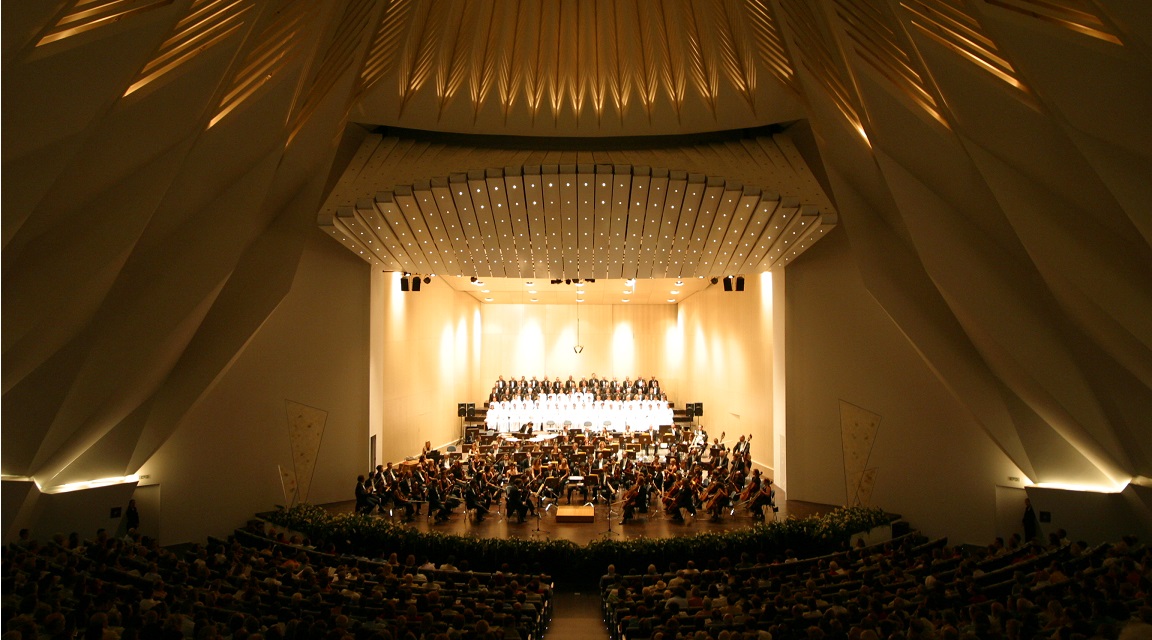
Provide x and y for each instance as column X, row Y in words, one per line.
column 252, row 249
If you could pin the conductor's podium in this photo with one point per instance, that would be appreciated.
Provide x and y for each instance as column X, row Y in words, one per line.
column 575, row 514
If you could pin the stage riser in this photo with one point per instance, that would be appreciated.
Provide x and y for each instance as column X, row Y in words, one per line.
column 575, row 514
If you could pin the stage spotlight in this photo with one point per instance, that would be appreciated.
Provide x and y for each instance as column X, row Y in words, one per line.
column 593, row 280
column 568, row 281
column 472, row 279
column 427, row 279
column 415, row 283
column 714, row 279
column 739, row 283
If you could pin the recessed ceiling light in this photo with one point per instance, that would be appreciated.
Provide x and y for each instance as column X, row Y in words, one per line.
column 531, row 291
column 674, row 291
column 485, row 291
column 487, row 299
column 624, row 300
column 671, row 299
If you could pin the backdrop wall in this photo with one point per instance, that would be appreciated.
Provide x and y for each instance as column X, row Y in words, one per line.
column 425, row 354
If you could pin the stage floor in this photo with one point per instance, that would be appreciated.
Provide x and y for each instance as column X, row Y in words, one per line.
column 652, row 525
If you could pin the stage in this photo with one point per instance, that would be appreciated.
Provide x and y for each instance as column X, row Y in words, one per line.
column 651, row 525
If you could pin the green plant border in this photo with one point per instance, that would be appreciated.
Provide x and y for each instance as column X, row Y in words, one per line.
column 367, row 536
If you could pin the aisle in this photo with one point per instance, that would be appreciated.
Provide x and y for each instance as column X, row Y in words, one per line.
column 576, row 616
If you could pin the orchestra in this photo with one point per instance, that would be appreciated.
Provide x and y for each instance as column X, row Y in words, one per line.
column 516, row 473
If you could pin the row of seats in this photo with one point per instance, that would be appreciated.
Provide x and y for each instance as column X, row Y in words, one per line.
column 253, row 585
column 903, row 589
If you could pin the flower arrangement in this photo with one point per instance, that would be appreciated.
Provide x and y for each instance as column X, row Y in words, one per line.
column 375, row 537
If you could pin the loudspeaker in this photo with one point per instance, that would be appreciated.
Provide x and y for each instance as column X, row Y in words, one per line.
column 690, row 409
column 461, row 410
column 699, row 408
column 728, row 283
column 739, row 283
column 471, row 409
column 403, row 284
column 415, row 283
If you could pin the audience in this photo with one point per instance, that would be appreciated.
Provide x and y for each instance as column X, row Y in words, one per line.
column 898, row 591
column 260, row 586
column 262, row 589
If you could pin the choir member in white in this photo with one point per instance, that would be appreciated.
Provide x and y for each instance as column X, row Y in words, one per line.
column 579, row 410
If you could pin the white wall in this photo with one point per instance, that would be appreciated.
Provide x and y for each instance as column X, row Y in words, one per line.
column 622, row 341
column 936, row 466
column 425, row 355
column 220, row 466
column 727, row 342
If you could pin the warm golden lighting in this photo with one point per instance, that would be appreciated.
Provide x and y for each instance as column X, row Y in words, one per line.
column 88, row 484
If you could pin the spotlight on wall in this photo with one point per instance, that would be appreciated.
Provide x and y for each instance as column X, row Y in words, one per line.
column 472, row 279
column 427, row 279
column 715, row 280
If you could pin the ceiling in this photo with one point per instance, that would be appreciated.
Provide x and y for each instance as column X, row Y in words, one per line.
column 989, row 159
column 577, row 68
column 522, row 291
column 730, row 204
column 635, row 196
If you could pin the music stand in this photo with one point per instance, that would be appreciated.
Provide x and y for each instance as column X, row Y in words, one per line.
column 608, row 508
column 592, row 482
column 540, row 514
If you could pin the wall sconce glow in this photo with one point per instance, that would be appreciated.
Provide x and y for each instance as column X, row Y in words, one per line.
column 1073, row 486
column 89, row 484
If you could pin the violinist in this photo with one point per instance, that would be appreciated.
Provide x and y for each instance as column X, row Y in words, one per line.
column 673, row 487
column 400, row 497
column 476, row 498
column 766, row 497
column 438, row 504
column 517, row 500
column 686, row 499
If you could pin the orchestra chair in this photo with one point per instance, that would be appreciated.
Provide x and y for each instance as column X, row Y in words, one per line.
column 592, row 482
